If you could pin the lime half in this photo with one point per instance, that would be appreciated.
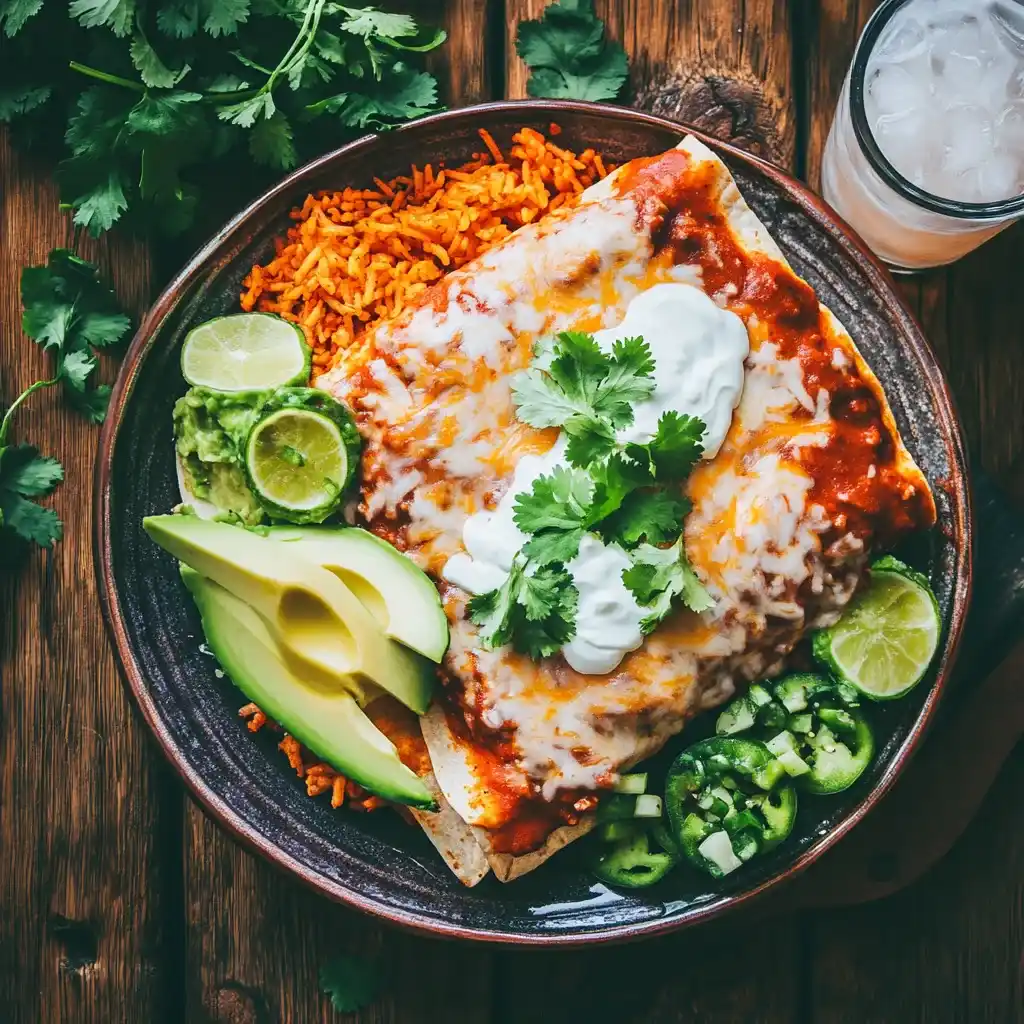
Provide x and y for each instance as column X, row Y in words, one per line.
column 888, row 634
column 245, row 352
column 297, row 463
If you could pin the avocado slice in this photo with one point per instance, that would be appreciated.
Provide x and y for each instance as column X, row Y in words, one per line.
column 319, row 624
column 394, row 590
column 330, row 723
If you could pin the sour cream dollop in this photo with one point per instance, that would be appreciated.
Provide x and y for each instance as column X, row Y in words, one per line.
column 698, row 351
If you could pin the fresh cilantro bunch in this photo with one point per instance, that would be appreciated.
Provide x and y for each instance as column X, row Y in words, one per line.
column 70, row 311
column 187, row 93
column 569, row 56
column 629, row 494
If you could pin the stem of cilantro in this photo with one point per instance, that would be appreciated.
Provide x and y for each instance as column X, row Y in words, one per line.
column 6, row 421
column 103, row 76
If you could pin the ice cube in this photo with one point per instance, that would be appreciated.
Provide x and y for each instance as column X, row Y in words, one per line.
column 1009, row 129
column 908, row 141
column 1007, row 18
column 902, row 39
column 967, row 131
column 998, row 178
column 892, row 90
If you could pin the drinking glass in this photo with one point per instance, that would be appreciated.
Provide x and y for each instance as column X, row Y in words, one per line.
column 952, row 117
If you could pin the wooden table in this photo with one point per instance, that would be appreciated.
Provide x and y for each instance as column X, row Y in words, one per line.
column 119, row 901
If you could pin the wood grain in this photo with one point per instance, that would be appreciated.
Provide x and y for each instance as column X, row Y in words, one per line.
column 82, row 800
column 948, row 948
column 724, row 67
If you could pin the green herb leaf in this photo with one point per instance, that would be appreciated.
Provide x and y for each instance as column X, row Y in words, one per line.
column 559, row 501
column 178, row 19
column 68, row 308
column 117, row 15
column 22, row 100
column 568, row 54
column 26, row 472
column 535, row 612
column 351, row 982
column 660, row 575
column 270, row 142
column 554, row 546
column 404, row 94
column 222, row 17
column 590, row 440
column 24, row 475
column 371, row 22
column 654, row 516
column 153, row 71
column 674, row 449
column 14, row 14
column 628, row 381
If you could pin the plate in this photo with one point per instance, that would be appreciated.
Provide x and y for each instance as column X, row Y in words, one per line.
column 376, row 862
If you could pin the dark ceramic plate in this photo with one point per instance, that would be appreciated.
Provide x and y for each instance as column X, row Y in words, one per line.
column 375, row 862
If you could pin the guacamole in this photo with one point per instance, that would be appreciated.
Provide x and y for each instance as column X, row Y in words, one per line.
column 210, row 428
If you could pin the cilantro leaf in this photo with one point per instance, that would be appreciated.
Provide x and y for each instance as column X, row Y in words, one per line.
column 178, row 19
column 568, row 54
column 17, row 101
column 579, row 366
column 224, row 16
column 25, row 472
column 270, row 142
column 99, row 208
column 540, row 402
column 371, row 22
column 117, row 15
column 674, row 449
column 152, row 70
column 614, row 479
column 29, row 521
column 76, row 368
column 351, row 982
column 554, row 546
column 68, row 308
column 14, row 14
column 402, row 95
column 535, row 612
column 24, row 475
column 245, row 112
column 628, row 381
column 559, row 501
column 654, row 516
column 660, row 575
column 590, row 440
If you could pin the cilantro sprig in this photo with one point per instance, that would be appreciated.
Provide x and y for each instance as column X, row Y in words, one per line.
column 569, row 56
column 71, row 312
column 161, row 98
column 628, row 493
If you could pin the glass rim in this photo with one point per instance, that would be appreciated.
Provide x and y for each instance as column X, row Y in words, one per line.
column 880, row 164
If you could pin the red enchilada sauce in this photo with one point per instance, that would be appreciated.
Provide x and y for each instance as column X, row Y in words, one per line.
column 876, row 506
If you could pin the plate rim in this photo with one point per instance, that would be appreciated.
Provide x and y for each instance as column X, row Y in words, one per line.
column 133, row 676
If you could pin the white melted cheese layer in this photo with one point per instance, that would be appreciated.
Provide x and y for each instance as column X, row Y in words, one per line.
column 698, row 350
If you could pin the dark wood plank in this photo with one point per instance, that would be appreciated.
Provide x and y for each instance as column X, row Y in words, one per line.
column 947, row 948
column 724, row 66
column 82, row 801
column 255, row 940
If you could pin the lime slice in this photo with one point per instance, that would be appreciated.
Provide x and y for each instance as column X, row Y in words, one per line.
column 297, row 463
column 245, row 352
column 888, row 634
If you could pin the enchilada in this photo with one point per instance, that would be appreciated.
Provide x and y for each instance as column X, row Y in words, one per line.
column 808, row 476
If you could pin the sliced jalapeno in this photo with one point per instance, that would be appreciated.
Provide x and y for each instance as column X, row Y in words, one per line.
column 630, row 864
column 822, row 740
column 725, row 804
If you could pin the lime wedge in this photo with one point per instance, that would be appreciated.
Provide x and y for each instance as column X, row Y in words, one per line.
column 888, row 634
column 297, row 463
column 245, row 352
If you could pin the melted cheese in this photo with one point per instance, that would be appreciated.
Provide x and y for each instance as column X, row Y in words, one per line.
column 444, row 449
